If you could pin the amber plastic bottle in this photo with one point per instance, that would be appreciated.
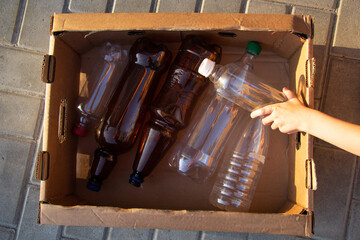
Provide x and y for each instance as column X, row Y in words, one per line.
column 172, row 108
column 104, row 162
column 120, row 125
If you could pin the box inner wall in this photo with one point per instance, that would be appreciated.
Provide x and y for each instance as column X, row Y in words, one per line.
column 165, row 189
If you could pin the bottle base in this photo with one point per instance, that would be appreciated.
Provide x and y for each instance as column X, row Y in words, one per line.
column 193, row 163
column 235, row 187
column 229, row 204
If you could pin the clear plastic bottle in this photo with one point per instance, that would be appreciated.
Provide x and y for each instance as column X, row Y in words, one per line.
column 103, row 82
column 240, row 171
column 238, row 90
column 201, row 146
column 236, row 83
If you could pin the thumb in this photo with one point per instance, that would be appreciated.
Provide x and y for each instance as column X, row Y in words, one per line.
column 289, row 94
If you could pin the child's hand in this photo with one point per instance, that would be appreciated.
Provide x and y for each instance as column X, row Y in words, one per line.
column 287, row 116
column 292, row 116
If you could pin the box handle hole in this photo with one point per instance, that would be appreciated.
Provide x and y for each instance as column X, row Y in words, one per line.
column 227, row 34
column 62, row 120
column 136, row 33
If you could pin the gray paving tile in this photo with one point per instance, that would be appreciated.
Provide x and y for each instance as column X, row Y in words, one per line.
column 130, row 233
column 357, row 183
column 7, row 233
column 258, row 6
column 224, row 236
column 19, row 114
column 346, row 40
column 88, row 6
column 218, row 6
column 343, row 86
column 21, row 70
column 354, row 221
column 8, row 14
column 322, row 22
column 132, row 6
column 86, row 233
column 36, row 26
column 13, row 158
column 175, row 234
column 327, row 4
column 321, row 56
column 335, row 175
column 29, row 229
column 177, row 6
column 342, row 97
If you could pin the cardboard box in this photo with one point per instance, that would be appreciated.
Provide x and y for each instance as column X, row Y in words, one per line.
column 283, row 203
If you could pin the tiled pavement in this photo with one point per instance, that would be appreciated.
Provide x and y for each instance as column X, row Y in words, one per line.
column 24, row 35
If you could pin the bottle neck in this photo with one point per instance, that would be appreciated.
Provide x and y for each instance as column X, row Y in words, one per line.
column 215, row 73
column 247, row 61
column 84, row 120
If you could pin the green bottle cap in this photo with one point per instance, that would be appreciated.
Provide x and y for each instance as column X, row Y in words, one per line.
column 253, row 48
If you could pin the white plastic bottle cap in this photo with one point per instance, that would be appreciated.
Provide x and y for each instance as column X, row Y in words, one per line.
column 206, row 67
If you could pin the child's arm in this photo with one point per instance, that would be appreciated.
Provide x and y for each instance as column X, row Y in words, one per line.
column 292, row 116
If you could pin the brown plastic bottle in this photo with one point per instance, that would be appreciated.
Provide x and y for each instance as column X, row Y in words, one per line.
column 172, row 108
column 104, row 162
column 119, row 127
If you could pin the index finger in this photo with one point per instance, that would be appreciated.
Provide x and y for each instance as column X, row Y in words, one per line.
column 261, row 111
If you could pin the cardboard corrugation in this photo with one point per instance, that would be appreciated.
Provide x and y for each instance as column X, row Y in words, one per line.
column 73, row 34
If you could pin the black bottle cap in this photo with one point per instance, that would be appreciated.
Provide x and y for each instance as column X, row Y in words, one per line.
column 94, row 184
column 136, row 179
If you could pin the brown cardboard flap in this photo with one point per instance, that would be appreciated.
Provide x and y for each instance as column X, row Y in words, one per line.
column 64, row 88
column 289, row 224
column 291, row 208
column 181, row 21
column 298, row 192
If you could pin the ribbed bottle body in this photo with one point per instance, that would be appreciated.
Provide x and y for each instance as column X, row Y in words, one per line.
column 236, row 183
column 240, row 170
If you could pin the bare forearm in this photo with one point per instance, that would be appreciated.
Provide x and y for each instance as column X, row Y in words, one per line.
column 292, row 116
column 332, row 130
